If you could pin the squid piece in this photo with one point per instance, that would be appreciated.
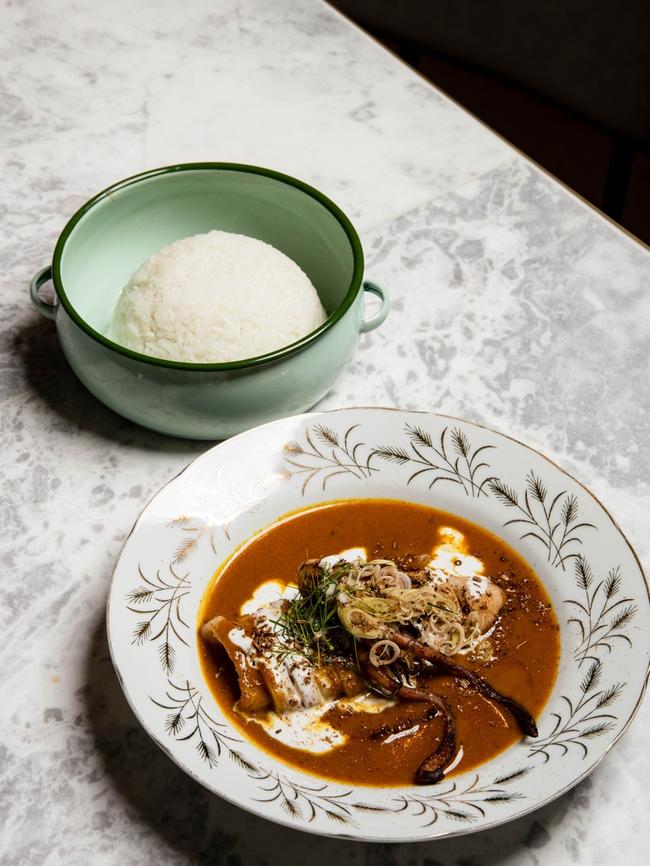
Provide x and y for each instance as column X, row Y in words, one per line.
column 351, row 682
column 524, row 719
column 328, row 682
column 308, row 576
column 268, row 681
column 485, row 599
column 254, row 695
column 479, row 595
column 432, row 769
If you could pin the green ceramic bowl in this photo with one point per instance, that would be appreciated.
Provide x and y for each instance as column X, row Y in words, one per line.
column 113, row 233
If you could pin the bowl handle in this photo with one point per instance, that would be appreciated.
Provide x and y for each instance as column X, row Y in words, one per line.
column 376, row 320
column 47, row 309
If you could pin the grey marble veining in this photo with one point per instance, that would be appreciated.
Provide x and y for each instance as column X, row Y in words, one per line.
column 103, row 91
column 517, row 306
column 513, row 305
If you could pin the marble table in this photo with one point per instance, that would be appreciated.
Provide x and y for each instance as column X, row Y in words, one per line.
column 514, row 304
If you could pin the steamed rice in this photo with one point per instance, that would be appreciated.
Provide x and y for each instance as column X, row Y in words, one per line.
column 215, row 297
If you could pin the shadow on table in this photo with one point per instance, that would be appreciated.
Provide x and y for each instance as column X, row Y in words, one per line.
column 207, row 830
column 45, row 372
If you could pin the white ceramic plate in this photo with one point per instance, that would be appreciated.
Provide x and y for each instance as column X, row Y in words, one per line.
column 238, row 488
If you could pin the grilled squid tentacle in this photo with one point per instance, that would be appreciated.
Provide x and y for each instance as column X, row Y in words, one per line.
column 521, row 715
column 432, row 769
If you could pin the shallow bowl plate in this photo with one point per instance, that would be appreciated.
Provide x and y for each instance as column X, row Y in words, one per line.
column 241, row 486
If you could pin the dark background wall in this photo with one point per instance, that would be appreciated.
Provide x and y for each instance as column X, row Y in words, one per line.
column 566, row 81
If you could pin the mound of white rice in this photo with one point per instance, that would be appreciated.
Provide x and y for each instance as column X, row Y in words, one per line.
column 215, row 297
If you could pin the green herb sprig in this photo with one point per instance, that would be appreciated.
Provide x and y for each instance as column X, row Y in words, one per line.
column 309, row 625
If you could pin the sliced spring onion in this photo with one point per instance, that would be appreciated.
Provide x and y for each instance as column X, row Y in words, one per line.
column 383, row 652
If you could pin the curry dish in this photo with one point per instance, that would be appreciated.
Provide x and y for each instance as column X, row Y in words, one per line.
column 379, row 642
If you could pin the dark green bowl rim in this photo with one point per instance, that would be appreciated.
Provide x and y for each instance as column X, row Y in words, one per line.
column 277, row 354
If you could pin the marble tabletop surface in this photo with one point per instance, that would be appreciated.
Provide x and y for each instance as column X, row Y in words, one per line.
column 514, row 304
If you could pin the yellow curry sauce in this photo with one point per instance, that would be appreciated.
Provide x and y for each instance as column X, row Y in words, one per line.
column 525, row 641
